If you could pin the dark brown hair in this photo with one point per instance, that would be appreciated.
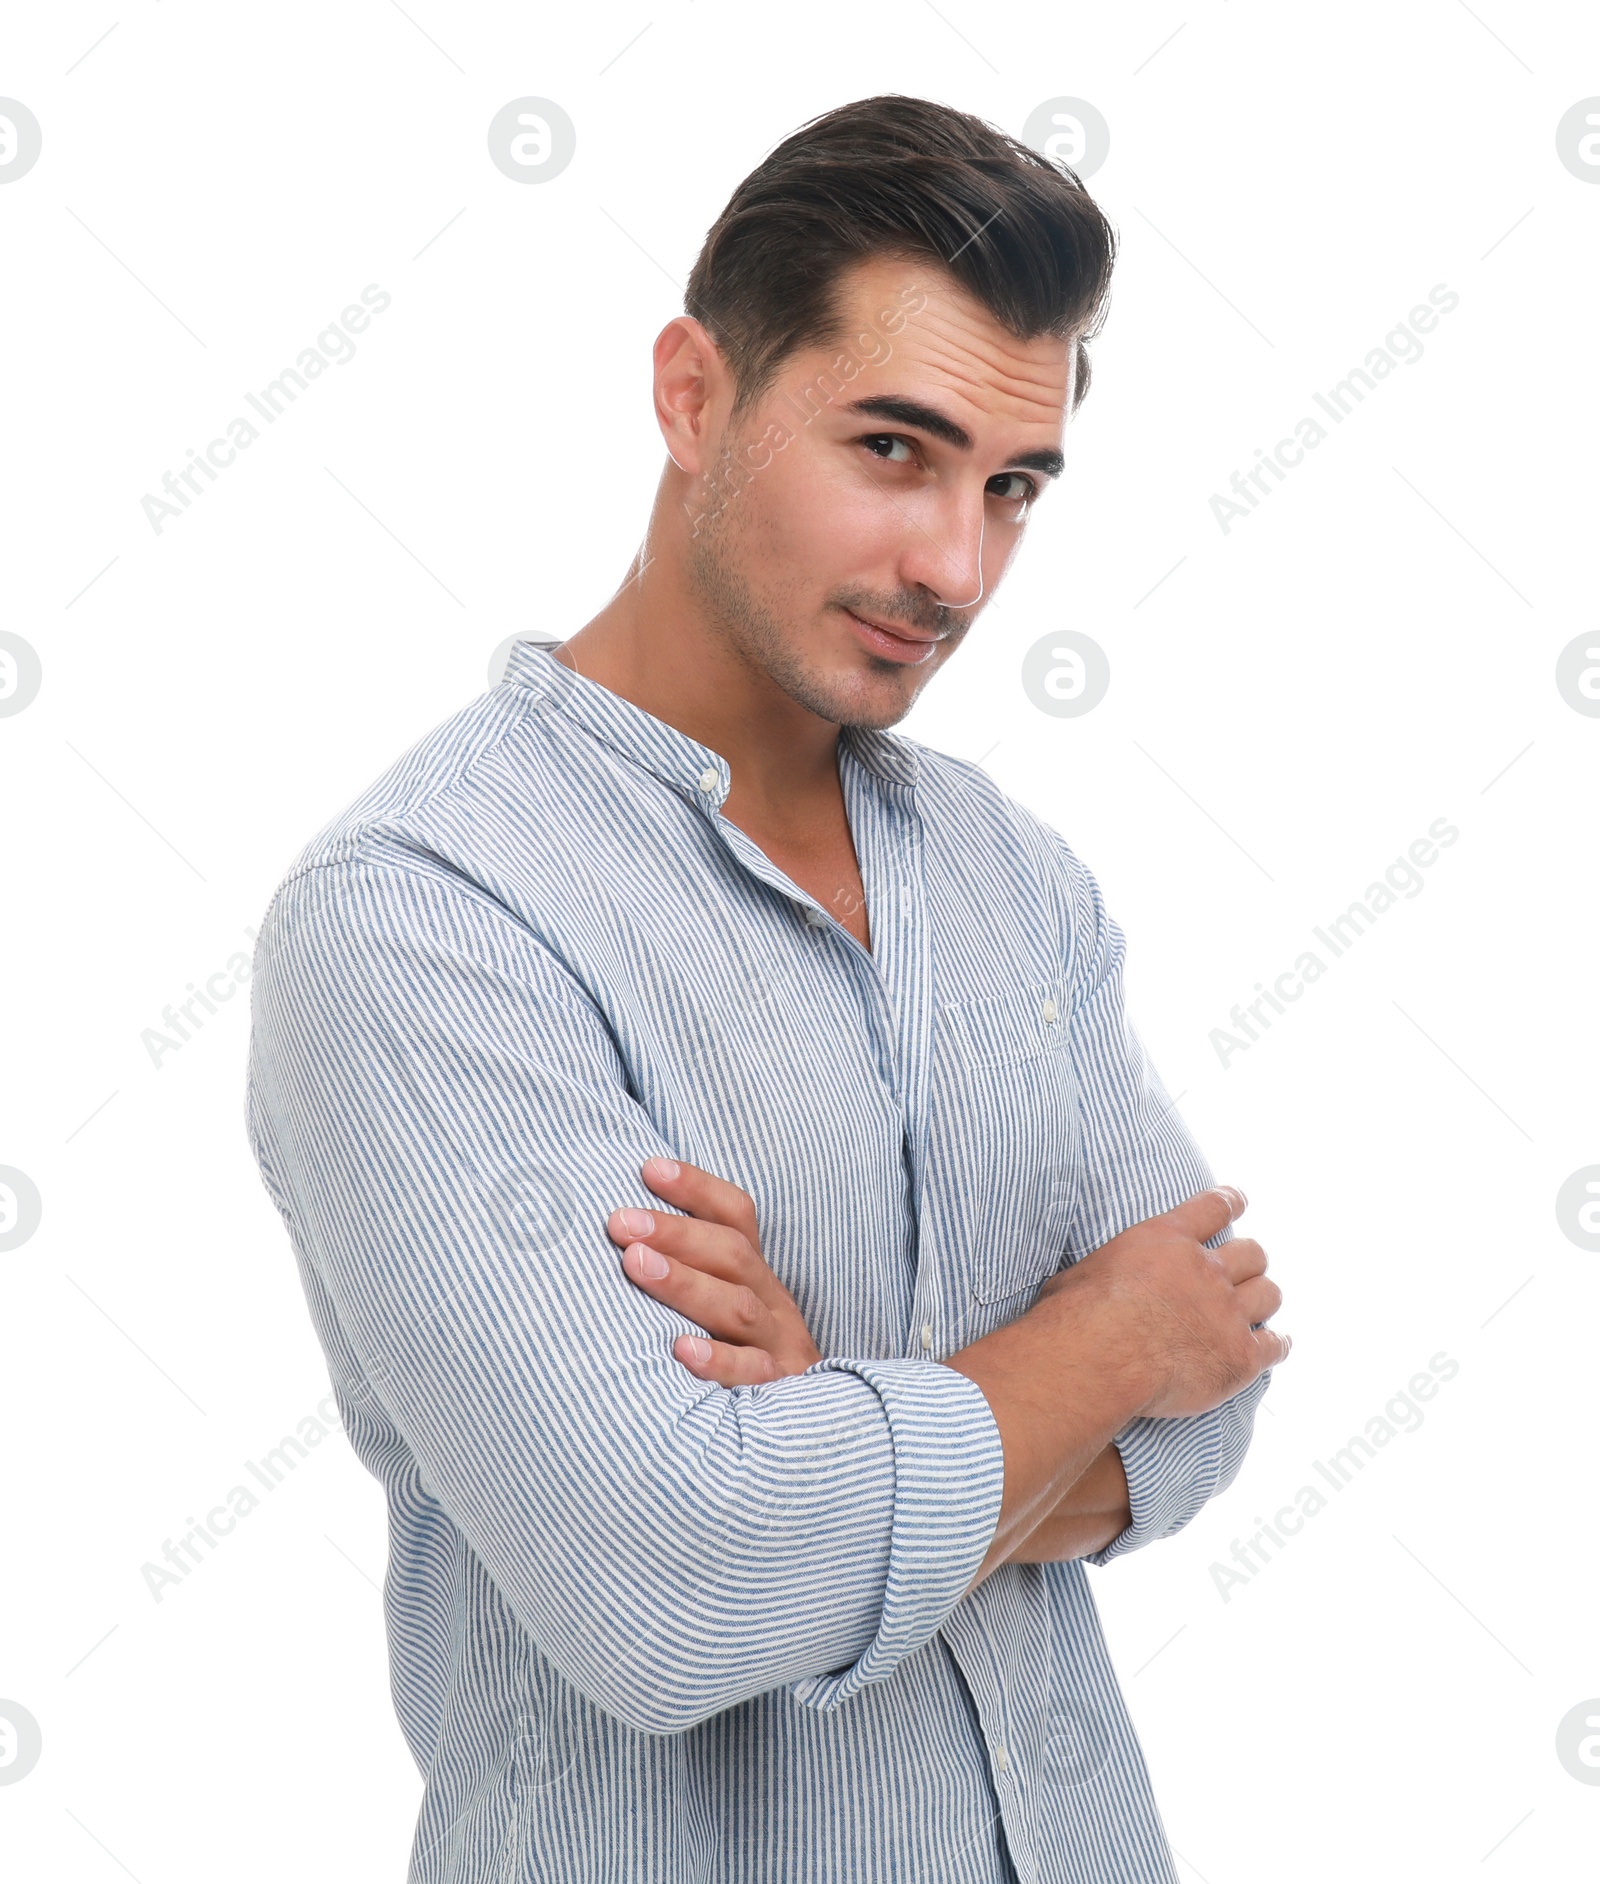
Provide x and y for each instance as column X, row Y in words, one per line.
column 898, row 176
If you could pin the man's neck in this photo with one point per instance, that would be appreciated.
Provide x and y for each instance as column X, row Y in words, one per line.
column 653, row 649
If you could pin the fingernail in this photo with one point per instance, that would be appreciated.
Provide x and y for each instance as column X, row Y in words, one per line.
column 664, row 1168
column 699, row 1349
column 651, row 1264
column 636, row 1222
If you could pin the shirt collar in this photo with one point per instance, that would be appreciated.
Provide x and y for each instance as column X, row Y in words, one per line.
column 660, row 749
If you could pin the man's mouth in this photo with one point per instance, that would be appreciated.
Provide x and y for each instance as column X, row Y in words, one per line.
column 898, row 642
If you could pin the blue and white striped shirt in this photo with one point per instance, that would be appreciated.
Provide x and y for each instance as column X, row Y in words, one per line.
column 644, row 1628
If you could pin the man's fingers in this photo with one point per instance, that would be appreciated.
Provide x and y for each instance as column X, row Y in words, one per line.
column 717, row 1248
column 714, row 1247
column 1258, row 1298
column 1241, row 1257
column 1274, row 1347
column 724, row 1365
column 726, row 1310
column 1207, row 1212
column 712, row 1199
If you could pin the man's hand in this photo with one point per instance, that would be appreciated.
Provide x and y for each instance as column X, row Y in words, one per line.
column 1185, row 1287
column 1188, row 1318
column 709, row 1267
column 1151, row 1324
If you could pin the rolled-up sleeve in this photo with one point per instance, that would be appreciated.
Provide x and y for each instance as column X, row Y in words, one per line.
column 1139, row 1159
column 450, row 1126
column 949, row 1477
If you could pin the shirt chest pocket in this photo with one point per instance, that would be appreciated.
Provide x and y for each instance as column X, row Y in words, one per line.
column 1012, row 1137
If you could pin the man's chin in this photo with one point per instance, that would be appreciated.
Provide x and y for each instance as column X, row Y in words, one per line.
column 842, row 682
column 866, row 693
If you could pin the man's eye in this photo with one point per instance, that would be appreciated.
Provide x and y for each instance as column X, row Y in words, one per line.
column 874, row 439
column 1026, row 495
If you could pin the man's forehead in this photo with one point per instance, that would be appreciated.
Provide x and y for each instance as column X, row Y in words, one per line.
column 936, row 331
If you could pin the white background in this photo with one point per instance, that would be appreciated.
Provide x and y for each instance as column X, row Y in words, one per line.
column 1292, row 703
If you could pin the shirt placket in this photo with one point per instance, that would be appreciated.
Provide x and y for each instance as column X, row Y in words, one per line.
column 894, row 979
column 888, row 838
column 889, row 843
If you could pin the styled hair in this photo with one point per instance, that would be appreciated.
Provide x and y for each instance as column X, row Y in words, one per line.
column 898, row 176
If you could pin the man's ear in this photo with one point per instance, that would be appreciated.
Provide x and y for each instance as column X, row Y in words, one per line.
column 692, row 388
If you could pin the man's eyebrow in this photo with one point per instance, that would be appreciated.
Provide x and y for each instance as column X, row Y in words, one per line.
column 930, row 420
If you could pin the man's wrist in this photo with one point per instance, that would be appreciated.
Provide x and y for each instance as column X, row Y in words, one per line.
column 1095, row 1333
column 1091, row 1514
column 1061, row 1382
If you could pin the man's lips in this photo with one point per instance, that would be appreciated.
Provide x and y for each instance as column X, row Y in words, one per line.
column 894, row 628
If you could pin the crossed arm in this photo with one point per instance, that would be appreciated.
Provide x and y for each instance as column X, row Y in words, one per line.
column 708, row 1266
column 430, row 1089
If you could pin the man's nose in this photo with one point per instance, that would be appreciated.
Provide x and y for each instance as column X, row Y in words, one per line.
column 945, row 557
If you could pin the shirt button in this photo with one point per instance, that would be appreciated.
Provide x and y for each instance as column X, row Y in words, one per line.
column 927, row 1334
column 1049, row 1010
column 708, row 779
column 816, row 918
column 1002, row 1759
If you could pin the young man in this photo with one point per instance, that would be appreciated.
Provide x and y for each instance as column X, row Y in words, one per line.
column 748, row 1239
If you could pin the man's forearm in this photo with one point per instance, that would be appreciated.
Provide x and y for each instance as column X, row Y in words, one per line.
column 1092, row 1512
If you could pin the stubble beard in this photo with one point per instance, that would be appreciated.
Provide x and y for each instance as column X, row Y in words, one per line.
column 717, row 562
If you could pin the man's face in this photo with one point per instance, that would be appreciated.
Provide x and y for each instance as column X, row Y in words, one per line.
column 888, row 476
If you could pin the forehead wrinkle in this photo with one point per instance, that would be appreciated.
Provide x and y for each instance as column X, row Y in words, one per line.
column 978, row 353
column 953, row 316
column 973, row 380
column 973, row 326
column 954, row 338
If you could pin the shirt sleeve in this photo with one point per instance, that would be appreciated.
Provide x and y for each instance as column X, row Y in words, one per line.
column 450, row 1125
column 1139, row 1159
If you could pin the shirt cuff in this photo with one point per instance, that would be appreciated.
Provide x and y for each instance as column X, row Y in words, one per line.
column 1175, row 1467
column 949, row 1477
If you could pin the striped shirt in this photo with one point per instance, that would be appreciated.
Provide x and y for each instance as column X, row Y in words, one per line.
column 645, row 1628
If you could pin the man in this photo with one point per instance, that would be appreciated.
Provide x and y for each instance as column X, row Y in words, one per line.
column 749, row 1242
